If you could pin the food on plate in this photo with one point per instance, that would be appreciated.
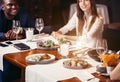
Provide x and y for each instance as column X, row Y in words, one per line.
column 38, row 58
column 46, row 56
column 77, row 63
column 109, row 59
column 47, row 43
column 62, row 40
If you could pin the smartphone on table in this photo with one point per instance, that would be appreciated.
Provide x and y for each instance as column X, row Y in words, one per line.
column 21, row 46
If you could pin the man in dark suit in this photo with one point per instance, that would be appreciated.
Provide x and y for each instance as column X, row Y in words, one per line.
column 10, row 11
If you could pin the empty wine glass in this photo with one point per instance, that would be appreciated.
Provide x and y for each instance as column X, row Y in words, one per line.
column 101, row 47
column 16, row 27
column 39, row 24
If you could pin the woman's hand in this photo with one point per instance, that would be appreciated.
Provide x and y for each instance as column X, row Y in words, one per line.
column 57, row 35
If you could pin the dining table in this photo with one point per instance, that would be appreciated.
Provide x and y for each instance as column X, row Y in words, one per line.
column 53, row 71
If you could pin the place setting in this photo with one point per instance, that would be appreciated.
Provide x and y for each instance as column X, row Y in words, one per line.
column 75, row 64
column 50, row 43
column 108, row 58
column 40, row 58
column 46, row 44
column 71, row 61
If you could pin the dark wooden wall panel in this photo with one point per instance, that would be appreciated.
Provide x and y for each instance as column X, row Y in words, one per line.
column 56, row 12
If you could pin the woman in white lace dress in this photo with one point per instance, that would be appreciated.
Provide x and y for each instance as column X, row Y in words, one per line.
column 88, row 24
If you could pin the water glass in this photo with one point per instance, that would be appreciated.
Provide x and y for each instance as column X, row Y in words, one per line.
column 109, row 69
column 29, row 34
column 64, row 50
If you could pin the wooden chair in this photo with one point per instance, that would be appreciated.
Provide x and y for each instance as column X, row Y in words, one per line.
column 112, row 34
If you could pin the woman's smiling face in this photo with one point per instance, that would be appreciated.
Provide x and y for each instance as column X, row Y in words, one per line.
column 85, row 5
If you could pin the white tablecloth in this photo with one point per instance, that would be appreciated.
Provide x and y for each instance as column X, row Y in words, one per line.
column 55, row 71
column 12, row 49
column 4, row 50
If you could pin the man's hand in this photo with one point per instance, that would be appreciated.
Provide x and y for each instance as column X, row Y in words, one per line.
column 7, row 34
column 11, row 35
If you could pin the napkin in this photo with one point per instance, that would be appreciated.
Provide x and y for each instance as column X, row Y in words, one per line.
column 5, row 50
column 85, row 76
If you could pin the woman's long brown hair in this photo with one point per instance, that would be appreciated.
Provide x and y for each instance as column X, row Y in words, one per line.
column 80, row 15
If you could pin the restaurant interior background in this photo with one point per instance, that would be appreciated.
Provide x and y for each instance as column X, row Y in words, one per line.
column 55, row 12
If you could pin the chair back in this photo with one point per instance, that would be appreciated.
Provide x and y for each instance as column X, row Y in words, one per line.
column 73, row 9
column 101, row 9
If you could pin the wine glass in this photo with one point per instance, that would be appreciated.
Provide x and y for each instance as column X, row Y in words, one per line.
column 16, row 27
column 101, row 47
column 39, row 24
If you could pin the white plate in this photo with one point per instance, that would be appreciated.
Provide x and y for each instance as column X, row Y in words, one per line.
column 48, row 48
column 30, row 59
column 75, row 67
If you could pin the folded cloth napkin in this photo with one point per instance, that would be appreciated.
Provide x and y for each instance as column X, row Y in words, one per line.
column 81, row 52
column 87, row 77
